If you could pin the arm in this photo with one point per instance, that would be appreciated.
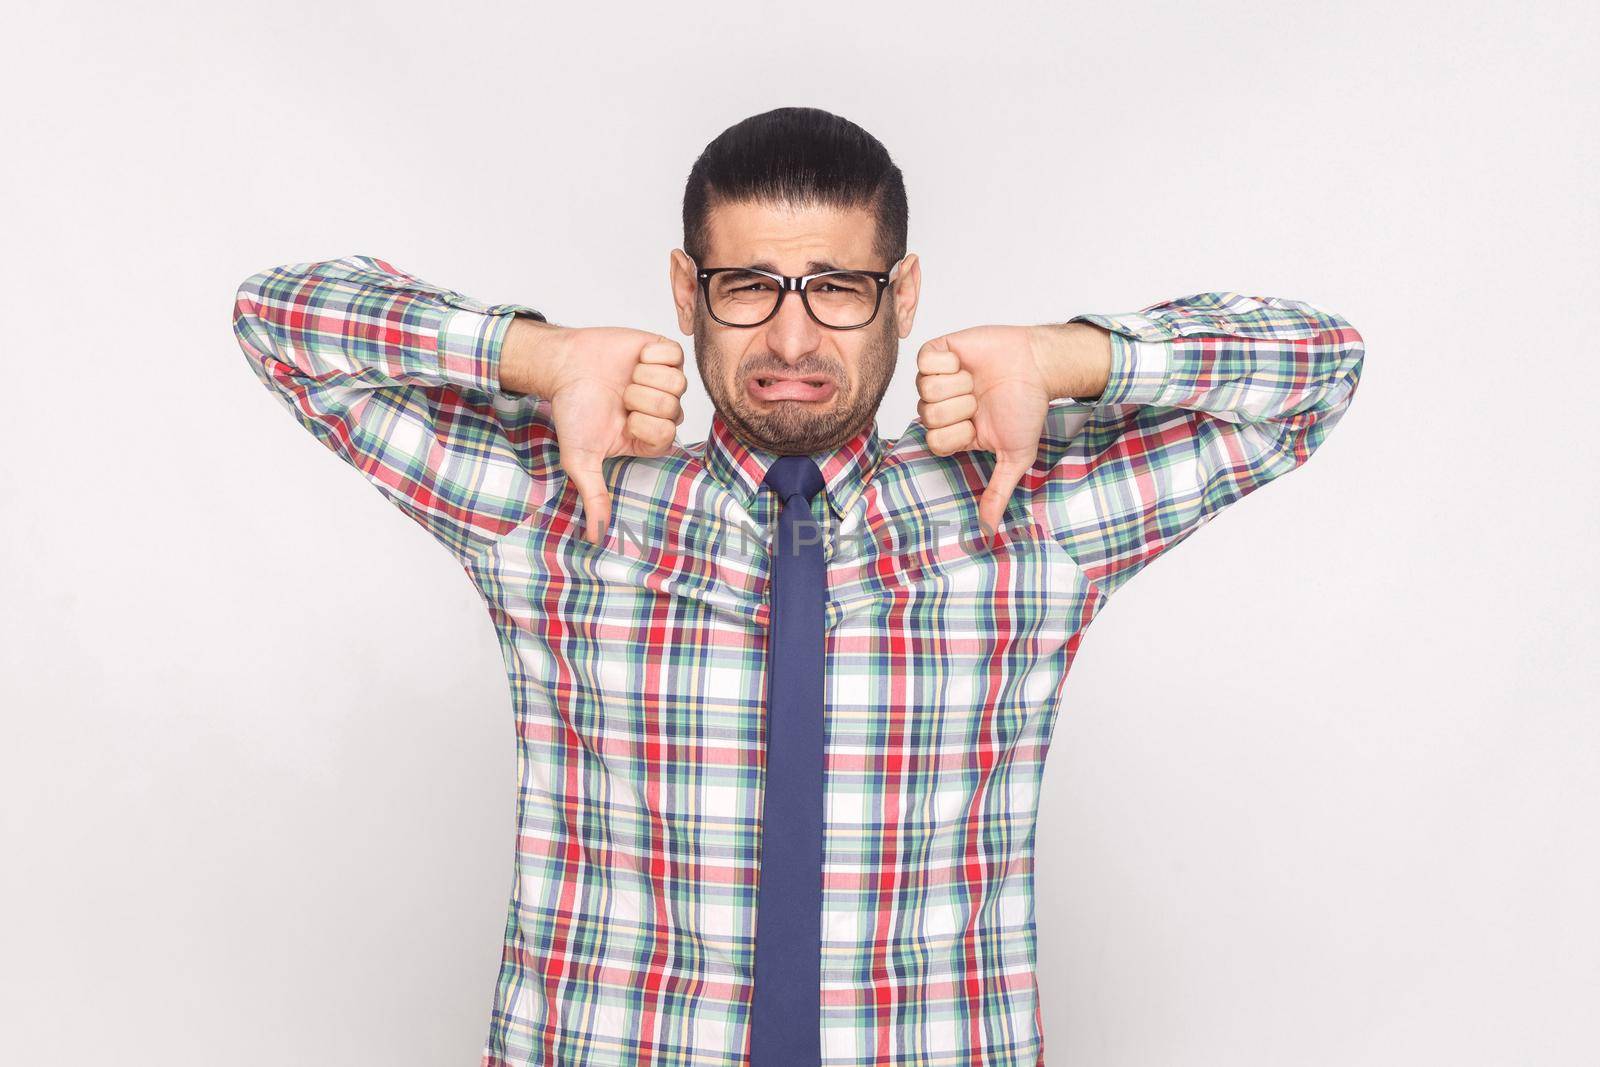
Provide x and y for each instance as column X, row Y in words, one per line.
column 1208, row 398
column 404, row 381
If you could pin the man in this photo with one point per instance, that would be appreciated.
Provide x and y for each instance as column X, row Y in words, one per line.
column 783, row 697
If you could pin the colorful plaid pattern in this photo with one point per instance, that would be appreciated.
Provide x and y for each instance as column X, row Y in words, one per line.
column 637, row 667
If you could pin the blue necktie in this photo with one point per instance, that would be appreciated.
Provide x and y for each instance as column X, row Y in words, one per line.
column 786, row 1012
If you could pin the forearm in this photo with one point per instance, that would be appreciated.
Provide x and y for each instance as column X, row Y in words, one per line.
column 1075, row 358
column 1240, row 358
column 360, row 322
column 530, row 357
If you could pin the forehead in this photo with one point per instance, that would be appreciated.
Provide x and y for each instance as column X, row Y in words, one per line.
column 790, row 238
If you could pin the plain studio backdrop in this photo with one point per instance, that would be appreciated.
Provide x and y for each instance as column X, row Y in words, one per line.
column 1323, row 790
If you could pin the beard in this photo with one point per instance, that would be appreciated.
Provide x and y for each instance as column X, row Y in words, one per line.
column 794, row 427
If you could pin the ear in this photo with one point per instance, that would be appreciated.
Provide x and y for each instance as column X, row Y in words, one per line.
column 907, row 288
column 685, row 289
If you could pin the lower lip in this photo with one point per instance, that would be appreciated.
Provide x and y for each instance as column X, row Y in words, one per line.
column 777, row 389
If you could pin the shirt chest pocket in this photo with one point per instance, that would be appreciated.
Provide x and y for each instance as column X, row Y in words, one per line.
column 969, row 604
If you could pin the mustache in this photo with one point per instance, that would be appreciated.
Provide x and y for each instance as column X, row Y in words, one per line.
column 761, row 369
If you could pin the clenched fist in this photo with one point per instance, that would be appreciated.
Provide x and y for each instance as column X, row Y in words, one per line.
column 990, row 387
column 612, row 392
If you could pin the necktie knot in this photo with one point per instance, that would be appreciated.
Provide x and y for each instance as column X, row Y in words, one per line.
column 794, row 475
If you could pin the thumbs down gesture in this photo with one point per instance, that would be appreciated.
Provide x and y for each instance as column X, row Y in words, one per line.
column 990, row 387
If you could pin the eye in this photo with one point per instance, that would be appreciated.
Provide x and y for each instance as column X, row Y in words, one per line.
column 848, row 284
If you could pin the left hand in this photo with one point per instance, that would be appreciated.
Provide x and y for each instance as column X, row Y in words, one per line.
column 989, row 388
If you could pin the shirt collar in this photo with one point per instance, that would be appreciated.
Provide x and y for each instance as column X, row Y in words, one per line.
column 741, row 468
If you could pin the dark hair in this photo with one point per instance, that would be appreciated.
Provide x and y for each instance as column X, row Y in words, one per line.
column 800, row 154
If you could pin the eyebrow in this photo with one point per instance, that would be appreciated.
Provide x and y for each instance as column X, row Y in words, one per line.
column 813, row 267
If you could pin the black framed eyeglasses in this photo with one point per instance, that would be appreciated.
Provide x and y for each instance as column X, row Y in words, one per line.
column 837, row 299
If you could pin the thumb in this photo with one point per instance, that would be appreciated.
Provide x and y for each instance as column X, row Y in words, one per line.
column 588, row 478
column 1009, row 467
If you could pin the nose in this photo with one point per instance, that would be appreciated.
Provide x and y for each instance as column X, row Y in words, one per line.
column 792, row 334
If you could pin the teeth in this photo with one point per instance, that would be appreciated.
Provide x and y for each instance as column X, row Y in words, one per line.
column 817, row 382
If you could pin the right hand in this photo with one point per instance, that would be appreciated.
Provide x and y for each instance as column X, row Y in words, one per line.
column 613, row 392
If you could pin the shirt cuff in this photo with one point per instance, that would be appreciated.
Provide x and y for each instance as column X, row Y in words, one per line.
column 471, row 336
column 1141, row 352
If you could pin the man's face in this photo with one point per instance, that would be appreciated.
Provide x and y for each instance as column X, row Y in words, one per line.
column 792, row 385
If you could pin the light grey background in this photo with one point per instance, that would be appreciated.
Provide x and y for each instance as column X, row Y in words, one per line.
column 1324, row 790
